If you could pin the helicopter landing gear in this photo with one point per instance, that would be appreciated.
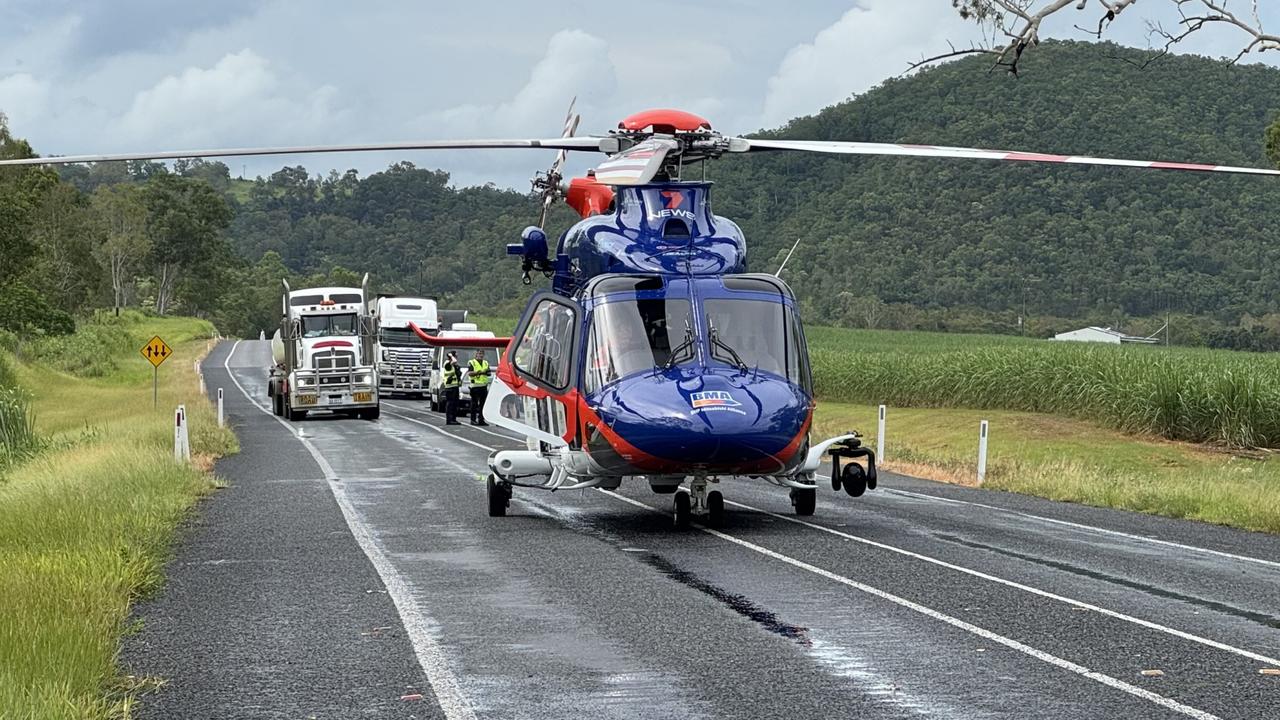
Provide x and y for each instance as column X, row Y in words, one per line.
column 698, row 499
column 499, row 493
column 805, row 500
column 683, row 510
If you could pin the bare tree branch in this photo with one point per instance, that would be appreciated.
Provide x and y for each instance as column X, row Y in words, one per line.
column 1018, row 23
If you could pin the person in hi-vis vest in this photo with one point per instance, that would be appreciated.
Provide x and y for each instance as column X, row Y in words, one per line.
column 452, row 381
column 478, row 384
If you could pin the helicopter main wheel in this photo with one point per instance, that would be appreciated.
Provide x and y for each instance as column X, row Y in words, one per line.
column 805, row 501
column 683, row 510
column 854, row 479
column 715, row 509
column 499, row 496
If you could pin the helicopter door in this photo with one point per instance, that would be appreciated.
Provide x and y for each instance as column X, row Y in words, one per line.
column 542, row 355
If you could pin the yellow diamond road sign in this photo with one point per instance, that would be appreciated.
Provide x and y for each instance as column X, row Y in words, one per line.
column 157, row 351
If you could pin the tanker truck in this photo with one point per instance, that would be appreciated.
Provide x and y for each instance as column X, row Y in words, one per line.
column 324, row 353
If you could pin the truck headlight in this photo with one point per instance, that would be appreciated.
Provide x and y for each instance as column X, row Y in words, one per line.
column 364, row 379
column 306, row 382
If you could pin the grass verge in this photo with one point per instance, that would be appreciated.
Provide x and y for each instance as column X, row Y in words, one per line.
column 1072, row 460
column 85, row 525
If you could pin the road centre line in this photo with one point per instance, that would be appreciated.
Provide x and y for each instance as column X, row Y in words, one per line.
column 1054, row 660
column 477, row 427
column 942, row 563
column 417, row 624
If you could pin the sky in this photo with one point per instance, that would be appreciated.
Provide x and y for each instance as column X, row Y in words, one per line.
column 142, row 75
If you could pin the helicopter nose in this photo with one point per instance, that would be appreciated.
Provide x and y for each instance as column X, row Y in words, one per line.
column 724, row 423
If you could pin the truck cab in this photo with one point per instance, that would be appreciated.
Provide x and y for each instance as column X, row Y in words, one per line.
column 323, row 353
column 460, row 334
column 403, row 359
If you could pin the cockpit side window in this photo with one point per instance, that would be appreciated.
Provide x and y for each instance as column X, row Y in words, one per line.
column 630, row 336
column 544, row 351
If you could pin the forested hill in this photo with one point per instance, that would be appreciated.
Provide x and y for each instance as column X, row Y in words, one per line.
column 1080, row 243
column 889, row 242
column 1073, row 241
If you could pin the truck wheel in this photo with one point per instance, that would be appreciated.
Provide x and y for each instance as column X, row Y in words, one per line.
column 291, row 414
column 372, row 413
column 277, row 404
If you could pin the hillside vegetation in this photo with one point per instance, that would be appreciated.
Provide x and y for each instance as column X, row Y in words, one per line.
column 86, row 520
column 884, row 242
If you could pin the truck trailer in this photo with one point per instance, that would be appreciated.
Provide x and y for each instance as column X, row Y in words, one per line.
column 324, row 353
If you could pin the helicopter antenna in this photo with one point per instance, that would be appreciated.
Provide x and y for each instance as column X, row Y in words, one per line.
column 788, row 257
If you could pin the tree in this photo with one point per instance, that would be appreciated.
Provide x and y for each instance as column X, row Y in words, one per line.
column 185, row 220
column 120, row 213
column 1014, row 25
column 62, row 230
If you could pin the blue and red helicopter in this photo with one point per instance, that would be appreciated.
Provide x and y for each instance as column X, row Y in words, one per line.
column 656, row 354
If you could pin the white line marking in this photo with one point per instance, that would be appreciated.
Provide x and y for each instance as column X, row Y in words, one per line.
column 1054, row 660
column 417, row 624
column 1019, row 586
column 1091, row 528
column 504, row 436
column 442, row 431
column 975, row 573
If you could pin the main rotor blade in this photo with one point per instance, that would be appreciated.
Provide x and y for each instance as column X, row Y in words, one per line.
column 636, row 165
column 582, row 143
column 866, row 148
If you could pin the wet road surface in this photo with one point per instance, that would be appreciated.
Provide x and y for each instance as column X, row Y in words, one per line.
column 352, row 571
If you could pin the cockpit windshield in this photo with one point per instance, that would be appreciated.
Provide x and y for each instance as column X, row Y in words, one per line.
column 631, row 336
column 343, row 324
column 757, row 335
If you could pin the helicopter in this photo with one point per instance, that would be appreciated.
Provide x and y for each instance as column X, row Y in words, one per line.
column 656, row 354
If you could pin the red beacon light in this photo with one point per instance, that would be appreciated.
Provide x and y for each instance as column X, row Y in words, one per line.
column 664, row 121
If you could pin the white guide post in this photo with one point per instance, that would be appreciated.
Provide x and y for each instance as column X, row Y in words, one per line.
column 186, row 433
column 177, row 433
column 222, row 418
column 982, row 452
column 880, row 438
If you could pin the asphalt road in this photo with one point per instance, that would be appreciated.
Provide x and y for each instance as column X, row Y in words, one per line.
column 350, row 570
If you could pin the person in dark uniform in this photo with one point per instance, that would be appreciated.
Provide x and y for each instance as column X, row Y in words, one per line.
column 478, row 384
column 452, row 381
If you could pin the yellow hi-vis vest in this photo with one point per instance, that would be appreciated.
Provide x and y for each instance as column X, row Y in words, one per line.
column 451, row 379
column 479, row 375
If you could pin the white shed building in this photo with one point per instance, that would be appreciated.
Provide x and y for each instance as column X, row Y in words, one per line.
column 1102, row 335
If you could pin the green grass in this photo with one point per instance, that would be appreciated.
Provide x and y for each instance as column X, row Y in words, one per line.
column 1072, row 460
column 85, row 525
column 1196, row 395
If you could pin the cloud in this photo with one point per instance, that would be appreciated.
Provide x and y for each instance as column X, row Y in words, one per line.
column 23, row 99
column 870, row 42
column 203, row 106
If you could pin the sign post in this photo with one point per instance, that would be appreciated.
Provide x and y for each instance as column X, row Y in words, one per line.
column 156, row 351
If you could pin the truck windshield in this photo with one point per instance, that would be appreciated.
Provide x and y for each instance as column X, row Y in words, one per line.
column 632, row 336
column 401, row 337
column 323, row 325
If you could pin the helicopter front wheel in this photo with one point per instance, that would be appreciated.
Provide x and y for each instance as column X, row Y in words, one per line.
column 499, row 493
column 683, row 510
column 805, row 500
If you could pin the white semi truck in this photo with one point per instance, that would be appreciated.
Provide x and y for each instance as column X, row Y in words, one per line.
column 324, row 353
column 403, row 359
